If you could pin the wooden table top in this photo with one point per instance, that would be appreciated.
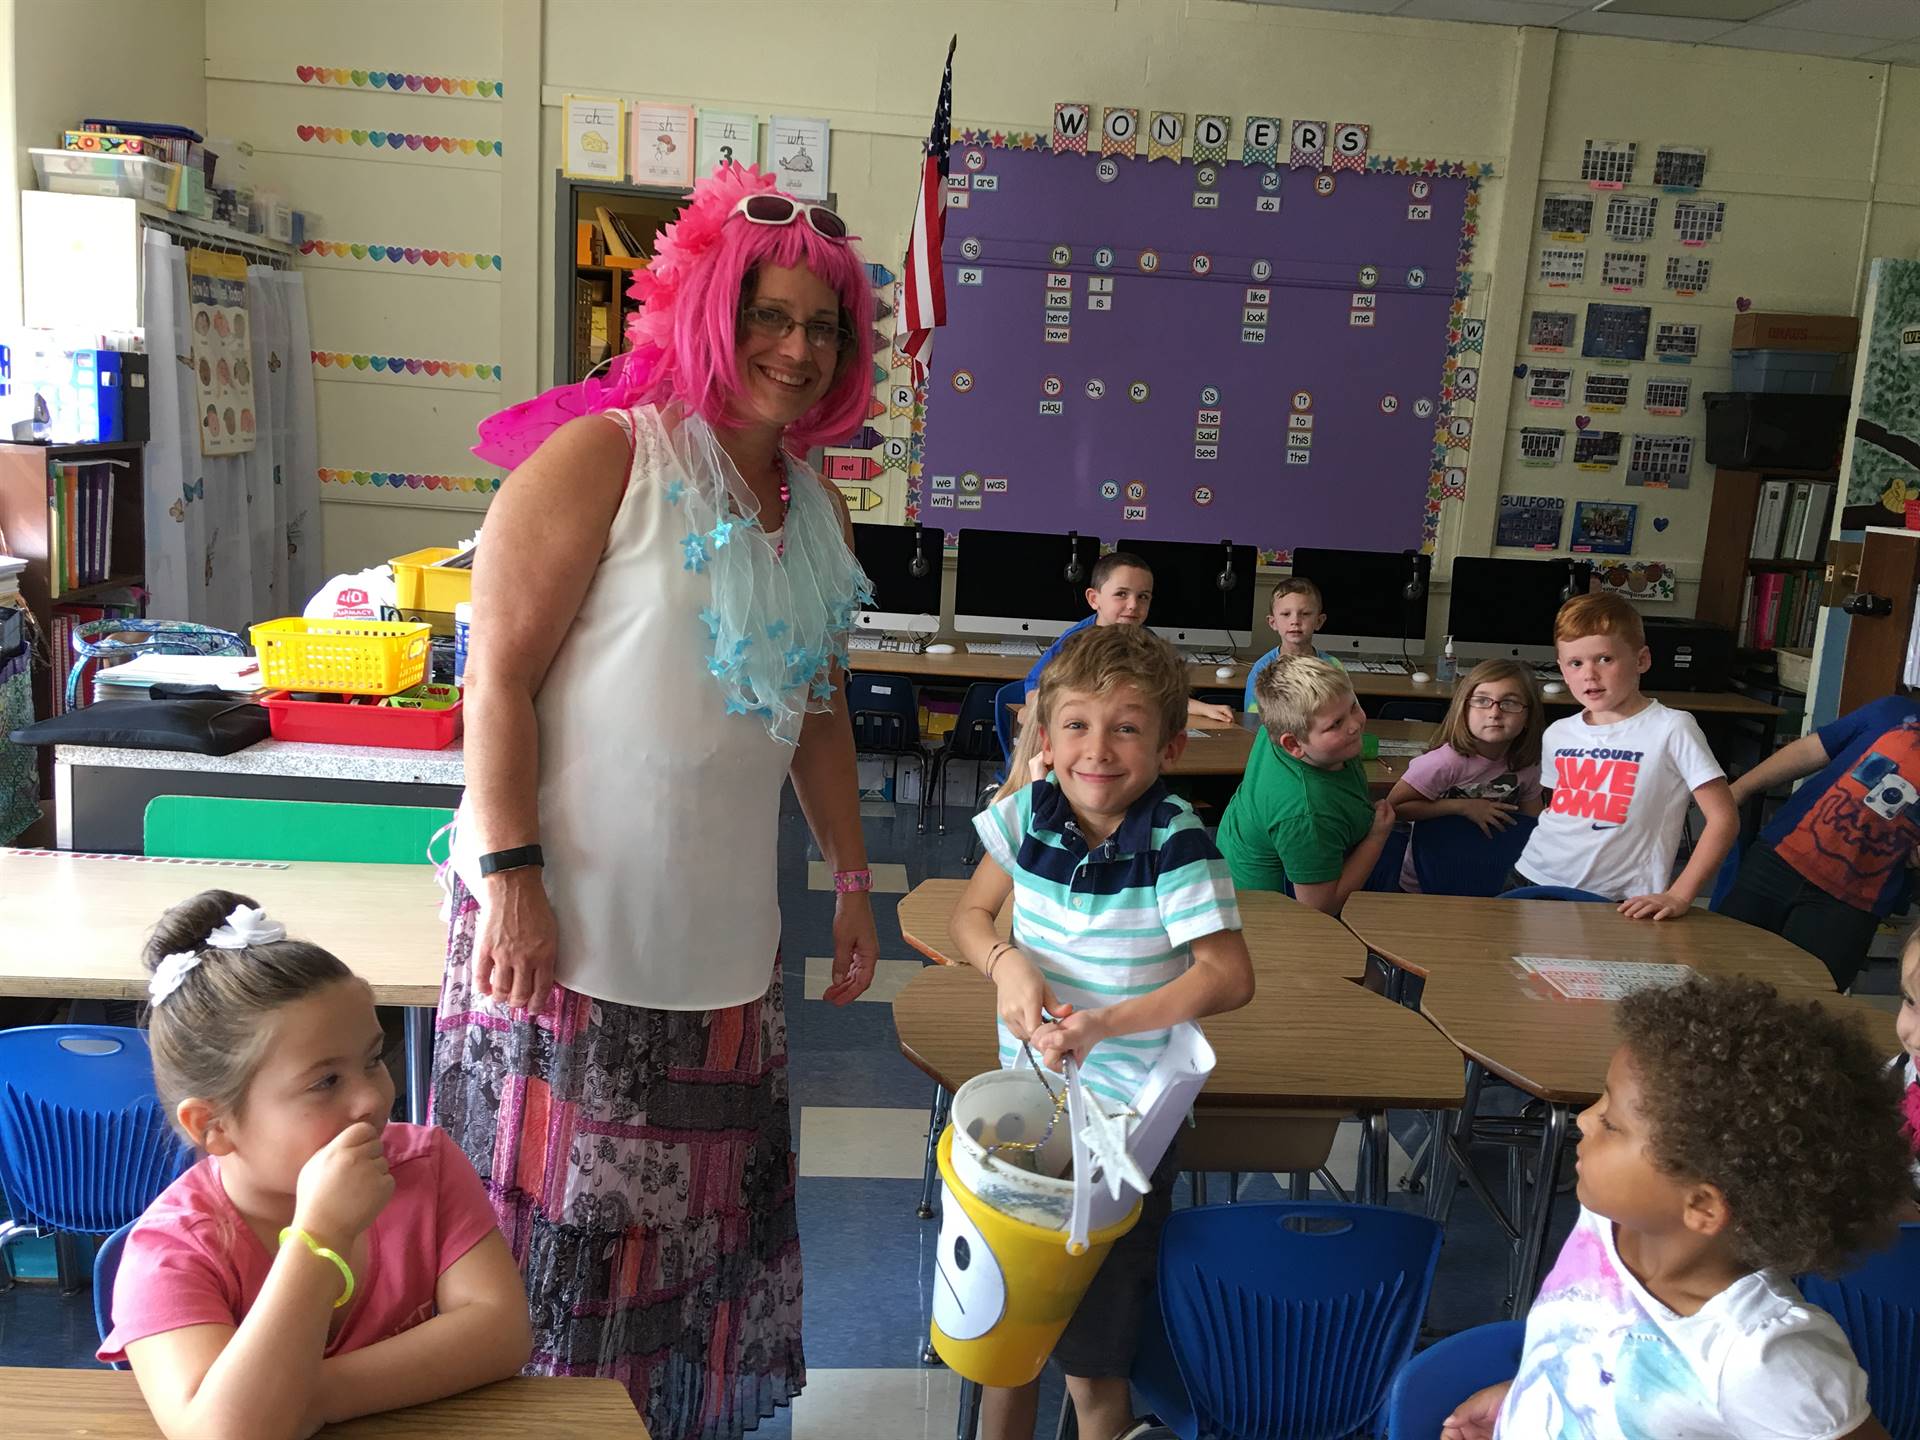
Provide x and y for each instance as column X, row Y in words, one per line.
column 1278, row 928
column 962, row 667
column 1522, row 1029
column 76, row 924
column 106, row 1405
column 1304, row 1042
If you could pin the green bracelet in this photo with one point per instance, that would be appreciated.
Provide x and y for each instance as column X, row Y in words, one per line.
column 346, row 1271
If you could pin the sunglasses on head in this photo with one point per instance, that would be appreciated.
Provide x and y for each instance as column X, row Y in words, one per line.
column 768, row 208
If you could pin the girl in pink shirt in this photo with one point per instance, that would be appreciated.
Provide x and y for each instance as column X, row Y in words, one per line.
column 318, row 1263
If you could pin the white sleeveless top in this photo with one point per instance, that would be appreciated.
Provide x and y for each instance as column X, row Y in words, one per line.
column 658, row 810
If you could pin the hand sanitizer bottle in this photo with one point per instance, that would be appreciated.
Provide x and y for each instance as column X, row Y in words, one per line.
column 1447, row 671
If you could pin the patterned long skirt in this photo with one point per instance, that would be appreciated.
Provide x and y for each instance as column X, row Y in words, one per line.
column 641, row 1164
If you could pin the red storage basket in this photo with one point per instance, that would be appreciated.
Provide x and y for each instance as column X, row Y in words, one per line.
column 337, row 723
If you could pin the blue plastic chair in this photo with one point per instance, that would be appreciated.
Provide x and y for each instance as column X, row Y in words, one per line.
column 886, row 721
column 1284, row 1321
column 1014, row 692
column 975, row 739
column 1431, row 1384
column 106, row 1265
column 1385, row 874
column 1452, row 857
column 1553, row 892
column 1878, row 1306
column 84, row 1143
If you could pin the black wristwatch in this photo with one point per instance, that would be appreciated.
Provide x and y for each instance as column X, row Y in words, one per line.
column 518, row 858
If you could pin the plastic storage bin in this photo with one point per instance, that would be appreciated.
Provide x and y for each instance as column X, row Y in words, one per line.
column 1753, row 431
column 336, row 722
column 84, row 172
column 419, row 585
column 345, row 657
column 1793, row 372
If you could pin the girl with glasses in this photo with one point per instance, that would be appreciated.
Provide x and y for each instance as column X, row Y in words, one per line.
column 1485, row 761
column 661, row 601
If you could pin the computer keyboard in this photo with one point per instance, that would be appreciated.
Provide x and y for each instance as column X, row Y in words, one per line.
column 1209, row 657
column 1368, row 665
column 1002, row 647
column 882, row 642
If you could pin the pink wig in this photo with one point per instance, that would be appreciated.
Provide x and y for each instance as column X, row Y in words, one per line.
column 683, row 339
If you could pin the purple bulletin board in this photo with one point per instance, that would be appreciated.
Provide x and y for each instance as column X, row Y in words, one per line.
column 1277, row 365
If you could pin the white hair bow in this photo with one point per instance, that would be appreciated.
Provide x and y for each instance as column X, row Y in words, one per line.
column 247, row 925
column 169, row 973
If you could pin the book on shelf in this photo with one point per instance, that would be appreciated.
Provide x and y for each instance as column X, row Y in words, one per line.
column 619, row 239
column 1781, row 608
column 80, row 497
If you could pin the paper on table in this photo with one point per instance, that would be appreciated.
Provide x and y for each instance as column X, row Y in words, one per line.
column 239, row 674
column 1600, row 979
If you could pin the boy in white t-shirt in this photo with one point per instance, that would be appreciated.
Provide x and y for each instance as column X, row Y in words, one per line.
column 1671, row 1311
column 1622, row 773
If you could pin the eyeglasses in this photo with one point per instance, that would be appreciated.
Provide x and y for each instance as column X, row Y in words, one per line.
column 777, row 325
column 1508, row 706
column 768, row 208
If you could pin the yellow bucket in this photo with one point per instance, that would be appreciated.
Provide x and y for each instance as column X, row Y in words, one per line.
column 985, row 1328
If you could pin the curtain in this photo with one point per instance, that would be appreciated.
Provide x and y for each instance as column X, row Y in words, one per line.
column 230, row 539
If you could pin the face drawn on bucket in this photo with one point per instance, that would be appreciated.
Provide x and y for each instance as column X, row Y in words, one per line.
column 972, row 1293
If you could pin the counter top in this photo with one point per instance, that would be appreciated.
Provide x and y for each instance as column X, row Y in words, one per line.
column 289, row 757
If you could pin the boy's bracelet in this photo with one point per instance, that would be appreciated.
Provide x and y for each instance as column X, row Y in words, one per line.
column 993, row 956
column 346, row 1271
column 852, row 882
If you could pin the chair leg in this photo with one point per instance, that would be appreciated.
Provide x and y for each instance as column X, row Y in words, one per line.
column 1298, row 1185
column 930, row 1177
column 969, row 1411
column 940, row 771
column 1067, row 1427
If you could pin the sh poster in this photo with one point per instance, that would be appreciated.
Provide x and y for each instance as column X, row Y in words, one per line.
column 222, row 347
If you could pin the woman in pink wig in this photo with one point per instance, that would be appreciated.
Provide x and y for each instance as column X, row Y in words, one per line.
column 661, row 602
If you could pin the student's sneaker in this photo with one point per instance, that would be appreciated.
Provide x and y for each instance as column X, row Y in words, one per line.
column 1146, row 1430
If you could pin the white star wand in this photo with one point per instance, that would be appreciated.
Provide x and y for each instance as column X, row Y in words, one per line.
column 1099, row 1141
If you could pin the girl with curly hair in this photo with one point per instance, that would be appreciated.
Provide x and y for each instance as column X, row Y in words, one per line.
column 1742, row 1138
column 661, row 601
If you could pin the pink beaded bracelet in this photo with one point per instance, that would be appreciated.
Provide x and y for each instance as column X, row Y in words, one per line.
column 849, row 882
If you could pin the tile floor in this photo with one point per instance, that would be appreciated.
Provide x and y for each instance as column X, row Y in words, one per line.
column 862, row 1115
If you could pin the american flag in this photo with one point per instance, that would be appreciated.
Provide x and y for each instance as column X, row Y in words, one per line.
column 924, row 290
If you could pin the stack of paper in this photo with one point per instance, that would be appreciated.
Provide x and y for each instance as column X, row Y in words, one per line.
column 236, row 674
column 1600, row 979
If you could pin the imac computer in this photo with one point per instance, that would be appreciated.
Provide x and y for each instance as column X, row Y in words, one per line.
column 903, row 562
column 1016, row 582
column 1503, row 609
column 1376, row 599
column 1191, row 607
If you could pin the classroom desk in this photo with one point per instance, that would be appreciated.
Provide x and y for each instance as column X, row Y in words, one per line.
column 1510, row 1023
column 1312, row 1044
column 77, row 924
column 961, row 668
column 106, row 1405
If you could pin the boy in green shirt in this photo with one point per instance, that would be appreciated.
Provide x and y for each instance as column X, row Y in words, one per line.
column 1302, row 817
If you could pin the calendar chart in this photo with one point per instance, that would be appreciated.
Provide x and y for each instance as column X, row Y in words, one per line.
column 1198, row 351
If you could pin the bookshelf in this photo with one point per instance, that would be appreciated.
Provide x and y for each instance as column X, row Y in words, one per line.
column 28, row 476
column 599, row 282
column 1729, row 568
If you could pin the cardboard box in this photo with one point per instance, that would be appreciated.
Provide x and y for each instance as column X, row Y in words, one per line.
column 1760, row 330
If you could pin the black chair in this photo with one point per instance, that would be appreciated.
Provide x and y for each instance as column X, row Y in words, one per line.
column 975, row 738
column 886, row 722
column 1013, row 693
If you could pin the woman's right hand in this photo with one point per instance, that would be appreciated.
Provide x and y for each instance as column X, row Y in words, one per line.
column 342, row 1187
column 1026, row 1000
column 517, row 941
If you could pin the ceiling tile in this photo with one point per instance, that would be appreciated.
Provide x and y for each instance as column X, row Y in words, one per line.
column 1731, row 11
column 1360, row 7
column 1647, row 27
column 1889, row 19
column 1908, row 54
column 1490, row 12
column 1798, row 42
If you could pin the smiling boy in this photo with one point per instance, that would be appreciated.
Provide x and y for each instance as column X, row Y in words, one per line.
column 1124, row 925
column 1622, row 773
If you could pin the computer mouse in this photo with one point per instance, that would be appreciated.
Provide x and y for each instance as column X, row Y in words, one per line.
column 1420, row 677
column 1223, row 672
column 939, row 648
column 1553, row 687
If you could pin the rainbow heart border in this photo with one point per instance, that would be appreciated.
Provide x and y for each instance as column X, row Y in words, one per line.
column 400, row 480
column 395, row 140
column 395, row 254
column 461, row 87
column 404, row 365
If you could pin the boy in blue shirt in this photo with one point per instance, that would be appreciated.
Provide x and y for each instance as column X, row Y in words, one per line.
column 1124, row 925
column 1835, row 860
column 1296, row 613
column 1121, row 593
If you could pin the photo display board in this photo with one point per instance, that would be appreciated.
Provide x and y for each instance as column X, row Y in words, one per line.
column 1191, row 351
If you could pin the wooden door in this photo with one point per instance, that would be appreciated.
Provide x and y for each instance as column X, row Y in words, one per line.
column 1877, row 644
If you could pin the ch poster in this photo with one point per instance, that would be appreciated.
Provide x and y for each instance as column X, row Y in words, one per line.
column 222, row 350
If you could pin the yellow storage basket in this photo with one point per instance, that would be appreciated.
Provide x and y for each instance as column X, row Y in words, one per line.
column 421, row 583
column 342, row 657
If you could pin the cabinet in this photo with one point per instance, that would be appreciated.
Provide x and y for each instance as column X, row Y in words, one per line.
column 591, row 304
column 1728, row 563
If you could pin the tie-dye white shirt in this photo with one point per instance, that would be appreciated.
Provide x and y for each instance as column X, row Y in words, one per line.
column 1605, row 1360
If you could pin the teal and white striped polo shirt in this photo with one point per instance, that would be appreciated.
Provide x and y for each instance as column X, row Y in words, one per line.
column 1111, row 922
